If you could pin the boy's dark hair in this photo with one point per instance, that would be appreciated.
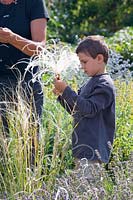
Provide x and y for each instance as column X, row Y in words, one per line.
column 93, row 45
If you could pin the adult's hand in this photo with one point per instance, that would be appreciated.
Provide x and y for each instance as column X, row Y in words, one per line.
column 5, row 35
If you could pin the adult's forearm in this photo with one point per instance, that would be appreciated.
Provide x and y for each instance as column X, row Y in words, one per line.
column 28, row 47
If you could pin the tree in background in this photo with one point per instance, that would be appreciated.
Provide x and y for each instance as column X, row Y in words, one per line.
column 72, row 19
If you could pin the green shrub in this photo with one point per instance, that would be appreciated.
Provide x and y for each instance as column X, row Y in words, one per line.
column 123, row 144
column 122, row 42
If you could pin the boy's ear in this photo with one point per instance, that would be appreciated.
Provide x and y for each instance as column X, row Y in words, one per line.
column 100, row 58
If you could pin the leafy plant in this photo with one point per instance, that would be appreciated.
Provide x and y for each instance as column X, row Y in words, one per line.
column 122, row 43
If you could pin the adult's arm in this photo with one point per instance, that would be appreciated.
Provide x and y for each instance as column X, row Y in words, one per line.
column 29, row 47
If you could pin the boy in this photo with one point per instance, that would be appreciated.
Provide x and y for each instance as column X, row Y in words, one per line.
column 93, row 108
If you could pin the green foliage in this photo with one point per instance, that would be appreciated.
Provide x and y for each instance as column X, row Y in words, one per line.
column 123, row 145
column 73, row 19
column 122, row 42
column 58, row 128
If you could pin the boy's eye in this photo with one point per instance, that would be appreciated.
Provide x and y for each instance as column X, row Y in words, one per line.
column 83, row 62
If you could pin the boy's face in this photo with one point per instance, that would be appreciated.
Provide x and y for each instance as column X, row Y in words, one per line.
column 91, row 66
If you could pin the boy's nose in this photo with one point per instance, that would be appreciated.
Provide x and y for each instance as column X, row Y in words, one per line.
column 82, row 66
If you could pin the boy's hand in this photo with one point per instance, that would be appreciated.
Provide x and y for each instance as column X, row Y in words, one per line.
column 56, row 92
column 59, row 85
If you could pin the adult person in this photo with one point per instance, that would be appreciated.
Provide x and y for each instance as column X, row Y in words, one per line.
column 22, row 29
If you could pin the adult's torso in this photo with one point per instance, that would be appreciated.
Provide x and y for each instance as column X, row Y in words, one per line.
column 17, row 17
column 14, row 17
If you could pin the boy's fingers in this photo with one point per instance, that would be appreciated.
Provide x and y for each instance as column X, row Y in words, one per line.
column 55, row 91
column 54, row 81
column 58, row 76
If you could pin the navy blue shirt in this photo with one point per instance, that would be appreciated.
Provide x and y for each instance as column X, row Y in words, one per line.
column 93, row 110
column 18, row 17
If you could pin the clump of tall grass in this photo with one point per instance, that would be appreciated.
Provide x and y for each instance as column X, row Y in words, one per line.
column 21, row 176
column 21, row 154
